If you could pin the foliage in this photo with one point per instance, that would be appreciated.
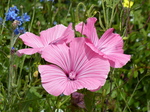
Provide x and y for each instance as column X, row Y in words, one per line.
column 127, row 89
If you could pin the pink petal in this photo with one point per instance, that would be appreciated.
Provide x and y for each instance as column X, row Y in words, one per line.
column 118, row 60
column 96, row 89
column 97, row 69
column 53, row 79
column 90, row 83
column 31, row 40
column 80, row 53
column 71, row 87
column 59, row 55
column 67, row 36
column 28, row 51
column 110, row 42
column 57, row 34
column 111, row 45
column 93, row 47
column 51, row 34
column 88, row 29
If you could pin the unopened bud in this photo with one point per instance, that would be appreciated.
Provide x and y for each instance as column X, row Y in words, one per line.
column 15, row 23
column 38, row 23
column 35, row 74
column 21, row 7
column 78, row 99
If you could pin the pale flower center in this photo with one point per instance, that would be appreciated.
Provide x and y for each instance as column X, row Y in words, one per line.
column 72, row 75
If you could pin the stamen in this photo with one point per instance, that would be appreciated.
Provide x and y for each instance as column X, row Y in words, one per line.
column 72, row 75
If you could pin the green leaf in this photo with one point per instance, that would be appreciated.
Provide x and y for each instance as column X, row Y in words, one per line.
column 89, row 100
column 135, row 74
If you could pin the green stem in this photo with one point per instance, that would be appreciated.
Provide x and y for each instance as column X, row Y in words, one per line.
column 64, row 101
column 33, row 15
column 112, row 17
column 107, row 18
column 56, row 104
column 12, row 75
column 100, row 22
column 68, row 11
column 104, row 11
column 121, row 19
column 77, row 9
column 49, row 109
column 134, row 91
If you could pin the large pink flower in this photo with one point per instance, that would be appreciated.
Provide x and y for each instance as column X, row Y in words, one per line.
column 110, row 45
column 54, row 35
column 76, row 67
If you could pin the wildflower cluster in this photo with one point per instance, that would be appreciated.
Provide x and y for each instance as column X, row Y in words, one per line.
column 76, row 62
column 13, row 15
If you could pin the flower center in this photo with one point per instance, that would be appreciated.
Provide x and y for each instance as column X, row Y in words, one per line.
column 72, row 75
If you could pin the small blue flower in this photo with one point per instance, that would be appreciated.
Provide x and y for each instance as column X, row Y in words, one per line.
column 12, row 13
column 14, row 9
column 20, row 30
column 10, row 16
column 12, row 48
column 25, row 17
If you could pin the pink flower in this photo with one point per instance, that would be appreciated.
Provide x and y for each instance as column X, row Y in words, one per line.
column 76, row 67
column 110, row 45
column 54, row 35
